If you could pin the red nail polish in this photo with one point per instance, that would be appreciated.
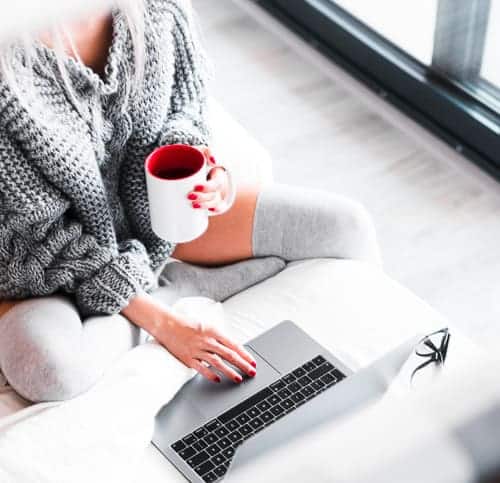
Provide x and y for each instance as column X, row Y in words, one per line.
column 196, row 205
column 199, row 187
column 238, row 379
column 212, row 160
column 253, row 363
column 217, row 379
column 252, row 373
column 192, row 197
column 211, row 209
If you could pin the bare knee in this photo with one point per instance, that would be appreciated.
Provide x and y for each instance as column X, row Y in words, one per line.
column 37, row 354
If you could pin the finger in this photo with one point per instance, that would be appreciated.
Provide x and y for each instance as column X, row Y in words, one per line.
column 214, row 184
column 238, row 348
column 208, row 154
column 220, row 208
column 213, row 204
column 204, row 371
column 203, row 197
column 211, row 159
column 232, row 357
column 215, row 361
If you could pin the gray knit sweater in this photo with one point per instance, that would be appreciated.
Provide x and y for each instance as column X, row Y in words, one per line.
column 74, row 214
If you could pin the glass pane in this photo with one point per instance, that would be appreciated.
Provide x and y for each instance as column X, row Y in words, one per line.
column 490, row 69
column 407, row 24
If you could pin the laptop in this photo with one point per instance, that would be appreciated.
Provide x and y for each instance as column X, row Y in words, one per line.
column 203, row 427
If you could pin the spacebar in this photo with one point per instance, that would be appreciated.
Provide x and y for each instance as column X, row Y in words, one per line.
column 246, row 404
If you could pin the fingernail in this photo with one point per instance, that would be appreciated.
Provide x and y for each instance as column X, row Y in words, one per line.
column 253, row 363
column 211, row 209
column 192, row 197
column 238, row 379
column 196, row 205
column 217, row 379
column 212, row 160
column 252, row 373
column 199, row 187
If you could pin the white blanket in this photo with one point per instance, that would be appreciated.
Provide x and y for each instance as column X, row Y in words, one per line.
column 99, row 436
column 102, row 435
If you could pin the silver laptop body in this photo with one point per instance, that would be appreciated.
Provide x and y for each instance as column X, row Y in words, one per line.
column 205, row 424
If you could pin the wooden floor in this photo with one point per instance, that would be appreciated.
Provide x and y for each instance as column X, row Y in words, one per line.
column 437, row 216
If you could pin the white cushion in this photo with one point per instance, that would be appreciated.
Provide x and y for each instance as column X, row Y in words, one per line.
column 351, row 307
column 234, row 148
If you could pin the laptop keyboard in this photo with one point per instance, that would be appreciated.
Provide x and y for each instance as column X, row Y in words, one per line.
column 210, row 448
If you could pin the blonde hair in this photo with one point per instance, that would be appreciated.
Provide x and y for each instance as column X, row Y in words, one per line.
column 25, row 48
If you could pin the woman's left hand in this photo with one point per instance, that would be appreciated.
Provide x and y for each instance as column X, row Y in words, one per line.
column 212, row 194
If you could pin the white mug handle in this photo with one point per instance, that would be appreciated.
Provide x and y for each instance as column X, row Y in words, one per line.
column 231, row 195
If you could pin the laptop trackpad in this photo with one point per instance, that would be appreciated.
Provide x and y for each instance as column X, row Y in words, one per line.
column 213, row 399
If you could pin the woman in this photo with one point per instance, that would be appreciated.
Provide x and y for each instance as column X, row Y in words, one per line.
column 80, row 109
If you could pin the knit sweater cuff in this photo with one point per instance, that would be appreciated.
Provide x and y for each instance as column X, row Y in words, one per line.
column 110, row 290
column 185, row 132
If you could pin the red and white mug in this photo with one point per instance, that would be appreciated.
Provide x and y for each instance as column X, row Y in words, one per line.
column 171, row 173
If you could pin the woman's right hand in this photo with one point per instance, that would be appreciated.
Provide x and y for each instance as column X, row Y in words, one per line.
column 196, row 344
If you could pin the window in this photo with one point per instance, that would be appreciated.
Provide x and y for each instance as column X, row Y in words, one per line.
column 437, row 60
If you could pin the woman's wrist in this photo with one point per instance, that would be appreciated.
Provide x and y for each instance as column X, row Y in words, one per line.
column 148, row 314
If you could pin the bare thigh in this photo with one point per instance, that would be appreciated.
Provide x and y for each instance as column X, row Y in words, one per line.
column 6, row 305
column 228, row 238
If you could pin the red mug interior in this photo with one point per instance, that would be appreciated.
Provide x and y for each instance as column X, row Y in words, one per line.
column 175, row 162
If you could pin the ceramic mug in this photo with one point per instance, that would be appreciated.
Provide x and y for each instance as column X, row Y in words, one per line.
column 171, row 173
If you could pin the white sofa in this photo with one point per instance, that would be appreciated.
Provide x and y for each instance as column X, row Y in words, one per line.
column 352, row 308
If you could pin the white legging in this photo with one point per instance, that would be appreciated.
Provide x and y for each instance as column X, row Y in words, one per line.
column 48, row 353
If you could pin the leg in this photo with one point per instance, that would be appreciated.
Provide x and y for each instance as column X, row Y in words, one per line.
column 217, row 283
column 48, row 354
column 282, row 221
column 6, row 305
column 227, row 240
column 298, row 223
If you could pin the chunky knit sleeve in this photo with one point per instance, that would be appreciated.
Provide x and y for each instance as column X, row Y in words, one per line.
column 43, row 249
column 186, row 120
